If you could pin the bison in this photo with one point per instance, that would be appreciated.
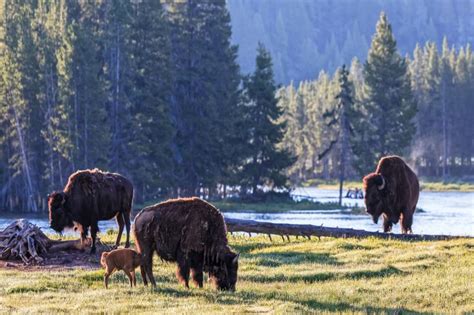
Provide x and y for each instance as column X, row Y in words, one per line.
column 192, row 233
column 125, row 259
column 90, row 196
column 393, row 191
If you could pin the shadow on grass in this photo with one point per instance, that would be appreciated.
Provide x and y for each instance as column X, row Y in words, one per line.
column 326, row 276
column 248, row 248
column 294, row 258
column 249, row 298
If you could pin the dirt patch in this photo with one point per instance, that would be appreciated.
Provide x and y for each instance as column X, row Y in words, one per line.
column 62, row 260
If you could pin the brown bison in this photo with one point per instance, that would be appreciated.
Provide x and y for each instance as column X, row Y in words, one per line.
column 393, row 191
column 192, row 233
column 90, row 196
column 125, row 259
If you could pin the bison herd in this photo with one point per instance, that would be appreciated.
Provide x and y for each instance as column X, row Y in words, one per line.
column 192, row 232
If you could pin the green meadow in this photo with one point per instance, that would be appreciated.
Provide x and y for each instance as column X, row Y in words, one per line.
column 425, row 185
column 301, row 276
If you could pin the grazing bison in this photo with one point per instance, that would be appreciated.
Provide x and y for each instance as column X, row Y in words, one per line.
column 192, row 233
column 90, row 196
column 392, row 191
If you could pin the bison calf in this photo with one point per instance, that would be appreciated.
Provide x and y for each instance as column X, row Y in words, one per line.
column 125, row 259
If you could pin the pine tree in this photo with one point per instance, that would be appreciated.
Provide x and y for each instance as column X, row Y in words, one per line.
column 149, row 132
column 266, row 162
column 342, row 117
column 389, row 106
column 118, row 70
column 204, row 100
column 87, row 84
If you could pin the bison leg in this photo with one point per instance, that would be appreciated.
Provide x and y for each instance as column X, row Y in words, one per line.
column 119, row 219
column 407, row 221
column 106, row 279
column 195, row 263
column 182, row 271
column 134, row 277
column 126, row 216
column 197, row 276
column 387, row 224
column 146, row 268
column 84, row 235
column 129, row 275
column 143, row 272
column 94, row 229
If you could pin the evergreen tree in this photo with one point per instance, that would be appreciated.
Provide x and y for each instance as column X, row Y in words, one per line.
column 342, row 117
column 204, row 100
column 88, row 98
column 266, row 162
column 389, row 106
column 149, row 132
column 117, row 77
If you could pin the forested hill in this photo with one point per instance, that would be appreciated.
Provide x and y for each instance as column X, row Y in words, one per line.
column 306, row 36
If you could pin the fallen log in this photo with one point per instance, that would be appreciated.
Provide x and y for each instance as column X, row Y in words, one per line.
column 307, row 230
column 24, row 240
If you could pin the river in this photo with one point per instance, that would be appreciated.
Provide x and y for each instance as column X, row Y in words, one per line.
column 450, row 213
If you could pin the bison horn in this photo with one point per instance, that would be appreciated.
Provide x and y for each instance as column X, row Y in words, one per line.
column 236, row 259
column 382, row 186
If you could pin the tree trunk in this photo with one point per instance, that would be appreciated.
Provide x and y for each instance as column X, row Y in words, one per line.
column 306, row 230
column 29, row 189
column 445, row 131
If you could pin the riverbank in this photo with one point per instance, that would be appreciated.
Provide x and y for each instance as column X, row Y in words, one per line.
column 425, row 185
column 274, row 207
column 327, row 275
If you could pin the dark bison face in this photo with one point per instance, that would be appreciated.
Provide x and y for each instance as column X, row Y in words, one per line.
column 374, row 184
column 224, row 276
column 58, row 216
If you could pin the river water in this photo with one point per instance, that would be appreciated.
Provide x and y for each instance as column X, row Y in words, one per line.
column 450, row 213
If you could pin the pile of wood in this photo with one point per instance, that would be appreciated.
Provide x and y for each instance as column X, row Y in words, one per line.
column 24, row 240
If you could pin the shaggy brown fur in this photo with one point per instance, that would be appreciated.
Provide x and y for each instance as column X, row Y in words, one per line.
column 393, row 191
column 192, row 233
column 125, row 259
column 90, row 196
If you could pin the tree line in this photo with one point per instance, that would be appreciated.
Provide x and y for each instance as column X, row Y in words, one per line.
column 420, row 107
column 152, row 90
column 149, row 89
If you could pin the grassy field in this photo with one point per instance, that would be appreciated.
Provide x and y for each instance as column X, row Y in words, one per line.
column 330, row 275
column 426, row 185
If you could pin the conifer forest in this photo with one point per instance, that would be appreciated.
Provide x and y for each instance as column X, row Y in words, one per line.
column 154, row 90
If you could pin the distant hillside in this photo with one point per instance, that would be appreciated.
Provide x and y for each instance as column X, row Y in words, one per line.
column 306, row 36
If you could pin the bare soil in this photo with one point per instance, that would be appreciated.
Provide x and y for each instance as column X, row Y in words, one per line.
column 61, row 260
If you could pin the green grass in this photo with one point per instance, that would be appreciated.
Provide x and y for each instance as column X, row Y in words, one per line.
column 440, row 186
column 425, row 185
column 273, row 207
column 327, row 275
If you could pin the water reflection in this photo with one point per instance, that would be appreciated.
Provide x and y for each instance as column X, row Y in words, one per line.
column 450, row 213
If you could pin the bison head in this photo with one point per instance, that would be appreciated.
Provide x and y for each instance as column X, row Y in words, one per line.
column 59, row 218
column 374, row 187
column 224, row 274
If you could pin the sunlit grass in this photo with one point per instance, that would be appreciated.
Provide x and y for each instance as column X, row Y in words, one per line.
column 327, row 275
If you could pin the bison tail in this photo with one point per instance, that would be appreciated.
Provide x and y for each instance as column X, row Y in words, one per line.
column 135, row 236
